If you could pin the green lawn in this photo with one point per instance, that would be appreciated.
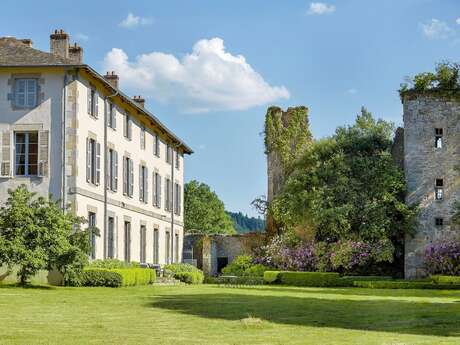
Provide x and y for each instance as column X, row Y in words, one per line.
column 213, row 315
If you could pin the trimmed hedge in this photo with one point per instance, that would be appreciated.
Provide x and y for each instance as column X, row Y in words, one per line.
column 405, row 285
column 101, row 277
column 118, row 277
column 186, row 273
column 271, row 277
column 312, row 279
column 438, row 279
column 112, row 263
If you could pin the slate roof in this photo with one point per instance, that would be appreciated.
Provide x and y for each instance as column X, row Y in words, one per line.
column 16, row 52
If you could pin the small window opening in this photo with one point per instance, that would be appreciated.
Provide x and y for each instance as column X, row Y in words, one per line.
column 439, row 221
column 438, row 138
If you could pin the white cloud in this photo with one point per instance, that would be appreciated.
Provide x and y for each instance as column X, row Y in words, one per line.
column 352, row 91
column 207, row 79
column 82, row 37
column 436, row 29
column 132, row 21
column 319, row 8
column 458, row 21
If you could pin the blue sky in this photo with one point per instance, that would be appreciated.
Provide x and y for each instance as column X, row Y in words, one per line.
column 209, row 69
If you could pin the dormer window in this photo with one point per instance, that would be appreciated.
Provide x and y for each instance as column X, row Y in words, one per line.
column 439, row 189
column 438, row 138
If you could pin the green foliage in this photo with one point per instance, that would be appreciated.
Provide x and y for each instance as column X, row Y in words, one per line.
column 117, row 277
column 244, row 223
column 101, row 277
column 313, row 279
column 438, row 279
column 243, row 265
column 288, row 140
column 238, row 280
column 456, row 215
column 446, row 77
column 35, row 234
column 186, row 273
column 347, row 187
column 405, row 285
column 271, row 277
column 204, row 212
column 112, row 263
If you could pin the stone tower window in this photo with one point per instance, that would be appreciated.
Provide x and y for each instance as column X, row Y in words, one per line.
column 439, row 221
column 439, row 190
column 438, row 138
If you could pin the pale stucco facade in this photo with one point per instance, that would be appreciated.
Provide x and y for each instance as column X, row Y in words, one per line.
column 62, row 112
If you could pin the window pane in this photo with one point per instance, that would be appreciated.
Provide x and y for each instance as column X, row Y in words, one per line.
column 33, row 158
column 32, row 169
column 20, row 159
column 33, row 137
column 21, row 85
column 33, row 148
column 20, row 170
column 20, row 137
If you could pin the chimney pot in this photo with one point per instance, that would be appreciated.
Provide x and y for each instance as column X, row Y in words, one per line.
column 139, row 100
column 59, row 43
column 112, row 78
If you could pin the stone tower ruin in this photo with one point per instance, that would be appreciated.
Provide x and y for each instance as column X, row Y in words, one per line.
column 431, row 159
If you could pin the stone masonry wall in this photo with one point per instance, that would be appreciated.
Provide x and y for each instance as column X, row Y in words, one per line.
column 424, row 163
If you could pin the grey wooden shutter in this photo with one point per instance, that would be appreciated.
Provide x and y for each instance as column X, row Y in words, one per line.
column 130, row 128
column 131, row 177
column 125, row 175
column 158, row 191
column 179, row 199
column 171, row 196
column 114, row 117
column 88, row 159
column 154, row 193
column 43, row 142
column 5, row 169
column 98, row 163
column 141, row 184
column 96, row 105
column 88, row 101
column 146, row 186
column 115, row 171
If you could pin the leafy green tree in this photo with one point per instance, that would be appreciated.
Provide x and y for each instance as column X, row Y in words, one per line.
column 348, row 187
column 35, row 234
column 204, row 212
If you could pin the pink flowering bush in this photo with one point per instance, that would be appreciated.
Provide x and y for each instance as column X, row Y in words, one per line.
column 443, row 257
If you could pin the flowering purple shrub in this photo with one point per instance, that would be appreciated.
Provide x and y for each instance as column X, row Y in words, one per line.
column 443, row 257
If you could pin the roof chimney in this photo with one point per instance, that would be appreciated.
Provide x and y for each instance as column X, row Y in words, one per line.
column 59, row 43
column 139, row 100
column 27, row 42
column 76, row 54
column 112, row 78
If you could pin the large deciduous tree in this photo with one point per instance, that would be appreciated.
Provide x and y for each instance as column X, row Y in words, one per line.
column 348, row 187
column 35, row 234
column 204, row 211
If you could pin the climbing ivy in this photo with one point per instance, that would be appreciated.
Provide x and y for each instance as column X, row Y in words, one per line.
column 287, row 134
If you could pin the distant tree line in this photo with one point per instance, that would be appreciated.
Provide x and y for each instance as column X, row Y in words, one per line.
column 244, row 224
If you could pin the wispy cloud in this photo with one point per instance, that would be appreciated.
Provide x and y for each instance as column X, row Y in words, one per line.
column 132, row 21
column 209, row 78
column 436, row 29
column 319, row 8
column 82, row 37
column 458, row 21
column 352, row 91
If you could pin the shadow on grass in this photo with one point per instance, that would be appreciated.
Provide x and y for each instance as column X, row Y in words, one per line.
column 27, row 286
column 352, row 291
column 405, row 317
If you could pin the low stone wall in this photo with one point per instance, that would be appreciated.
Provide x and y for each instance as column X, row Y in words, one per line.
column 43, row 277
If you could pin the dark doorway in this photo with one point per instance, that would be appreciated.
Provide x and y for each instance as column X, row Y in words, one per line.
column 221, row 263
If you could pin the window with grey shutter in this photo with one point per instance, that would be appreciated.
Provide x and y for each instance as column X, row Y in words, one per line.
column 114, row 117
column 158, row 190
column 142, row 138
column 146, row 185
column 130, row 128
column 96, row 105
column 141, row 183
column 43, row 142
column 89, row 100
column 154, row 192
column 131, row 177
column 125, row 176
column 5, row 168
column 98, row 164
column 25, row 93
column 88, row 159
column 171, row 200
column 115, row 171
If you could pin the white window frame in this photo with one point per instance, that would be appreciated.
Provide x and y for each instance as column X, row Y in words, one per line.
column 26, row 154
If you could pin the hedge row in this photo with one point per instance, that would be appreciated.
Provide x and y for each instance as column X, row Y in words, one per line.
column 321, row 279
column 117, row 277
column 186, row 273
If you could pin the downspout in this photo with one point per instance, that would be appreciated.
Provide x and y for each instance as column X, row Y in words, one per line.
column 106, row 218
column 63, row 138
column 174, row 148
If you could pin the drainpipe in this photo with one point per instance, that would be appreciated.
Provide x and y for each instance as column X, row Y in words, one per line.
column 174, row 148
column 106, row 218
column 63, row 138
